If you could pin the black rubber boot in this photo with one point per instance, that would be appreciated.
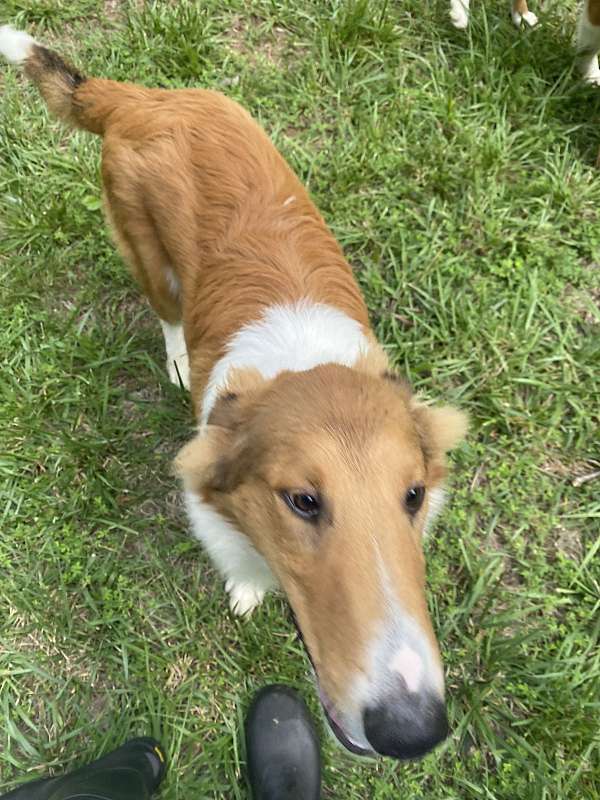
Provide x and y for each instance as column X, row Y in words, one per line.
column 133, row 772
column 284, row 762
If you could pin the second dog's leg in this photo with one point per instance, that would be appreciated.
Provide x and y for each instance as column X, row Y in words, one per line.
column 588, row 41
column 459, row 13
column 521, row 13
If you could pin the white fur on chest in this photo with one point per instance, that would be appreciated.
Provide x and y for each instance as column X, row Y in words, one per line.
column 293, row 337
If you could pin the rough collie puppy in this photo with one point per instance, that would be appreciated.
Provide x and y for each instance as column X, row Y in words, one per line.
column 314, row 468
column 588, row 31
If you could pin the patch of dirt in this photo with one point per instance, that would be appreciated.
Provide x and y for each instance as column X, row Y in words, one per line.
column 479, row 478
column 579, row 301
column 275, row 47
column 568, row 542
column 36, row 642
column 179, row 671
column 272, row 47
column 292, row 131
column 510, row 577
column 573, row 472
column 113, row 9
column 555, row 468
column 133, row 405
column 237, row 35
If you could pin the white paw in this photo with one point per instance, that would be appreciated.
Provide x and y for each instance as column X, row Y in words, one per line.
column 179, row 370
column 243, row 597
column 529, row 18
column 459, row 15
column 590, row 69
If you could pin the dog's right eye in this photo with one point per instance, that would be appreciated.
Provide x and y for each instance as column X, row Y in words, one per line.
column 305, row 505
column 413, row 500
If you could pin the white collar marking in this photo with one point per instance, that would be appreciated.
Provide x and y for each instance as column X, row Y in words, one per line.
column 295, row 337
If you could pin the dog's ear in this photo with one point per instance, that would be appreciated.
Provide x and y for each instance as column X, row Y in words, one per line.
column 196, row 463
column 445, row 426
column 441, row 428
column 373, row 361
column 216, row 459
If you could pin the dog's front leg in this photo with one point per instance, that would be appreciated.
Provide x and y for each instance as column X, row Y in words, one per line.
column 247, row 575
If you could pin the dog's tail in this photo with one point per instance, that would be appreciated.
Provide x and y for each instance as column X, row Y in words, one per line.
column 80, row 101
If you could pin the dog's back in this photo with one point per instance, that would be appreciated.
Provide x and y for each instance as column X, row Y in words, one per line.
column 200, row 203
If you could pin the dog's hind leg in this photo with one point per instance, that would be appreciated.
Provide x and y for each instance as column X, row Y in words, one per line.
column 521, row 13
column 137, row 240
column 178, row 365
column 588, row 41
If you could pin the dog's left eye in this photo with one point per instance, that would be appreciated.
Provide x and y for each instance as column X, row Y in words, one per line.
column 303, row 504
column 413, row 499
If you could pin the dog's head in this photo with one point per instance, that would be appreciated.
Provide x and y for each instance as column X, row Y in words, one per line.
column 333, row 474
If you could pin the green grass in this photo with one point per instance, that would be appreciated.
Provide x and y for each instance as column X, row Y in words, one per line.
column 457, row 169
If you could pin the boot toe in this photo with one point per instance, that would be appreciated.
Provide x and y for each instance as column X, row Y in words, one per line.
column 282, row 748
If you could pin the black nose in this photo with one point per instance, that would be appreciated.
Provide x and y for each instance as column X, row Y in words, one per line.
column 407, row 726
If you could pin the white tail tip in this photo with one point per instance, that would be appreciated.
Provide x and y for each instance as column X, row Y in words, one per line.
column 15, row 45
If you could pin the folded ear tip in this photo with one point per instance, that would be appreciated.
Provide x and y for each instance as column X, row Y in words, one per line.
column 452, row 425
column 461, row 421
column 180, row 463
column 195, row 456
column 447, row 426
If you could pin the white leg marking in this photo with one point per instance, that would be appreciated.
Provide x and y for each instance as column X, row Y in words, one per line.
column 588, row 45
column 590, row 69
column 177, row 358
column 247, row 574
column 530, row 18
column 459, row 13
column 243, row 597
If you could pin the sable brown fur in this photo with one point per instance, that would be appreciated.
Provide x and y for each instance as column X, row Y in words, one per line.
column 193, row 183
column 203, row 190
